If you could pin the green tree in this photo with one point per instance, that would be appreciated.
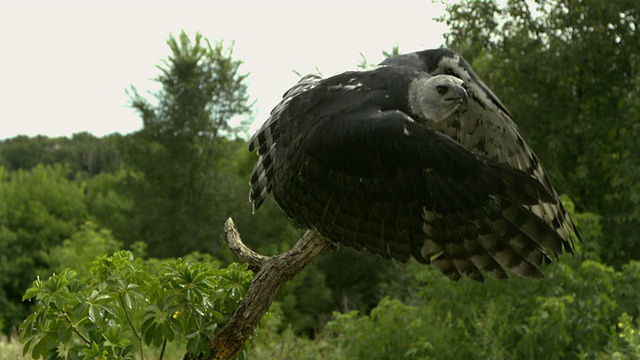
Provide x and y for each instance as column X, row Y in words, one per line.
column 23, row 152
column 39, row 209
column 89, row 156
column 184, row 150
column 78, row 251
column 568, row 71
column 83, row 154
column 109, row 204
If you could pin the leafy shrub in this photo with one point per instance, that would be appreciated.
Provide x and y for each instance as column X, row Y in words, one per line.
column 123, row 307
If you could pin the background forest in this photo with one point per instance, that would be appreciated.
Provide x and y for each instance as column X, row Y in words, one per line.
column 569, row 71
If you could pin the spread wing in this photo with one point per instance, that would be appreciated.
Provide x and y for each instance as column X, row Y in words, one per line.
column 343, row 156
column 486, row 127
column 264, row 141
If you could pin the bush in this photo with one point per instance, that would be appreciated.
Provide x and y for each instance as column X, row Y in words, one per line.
column 123, row 306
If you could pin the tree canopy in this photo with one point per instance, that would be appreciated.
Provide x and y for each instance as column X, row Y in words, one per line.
column 185, row 148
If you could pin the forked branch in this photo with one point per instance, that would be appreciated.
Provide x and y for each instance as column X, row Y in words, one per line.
column 272, row 274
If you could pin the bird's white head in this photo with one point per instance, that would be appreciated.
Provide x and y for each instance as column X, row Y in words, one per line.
column 436, row 98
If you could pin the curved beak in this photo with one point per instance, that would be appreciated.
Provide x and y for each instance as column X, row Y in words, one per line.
column 458, row 95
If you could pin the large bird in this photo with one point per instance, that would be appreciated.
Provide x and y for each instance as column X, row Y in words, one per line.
column 417, row 157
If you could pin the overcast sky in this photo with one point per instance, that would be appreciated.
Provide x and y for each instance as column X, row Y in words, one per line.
column 65, row 65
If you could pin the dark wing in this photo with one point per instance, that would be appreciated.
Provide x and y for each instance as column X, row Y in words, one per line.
column 348, row 161
column 486, row 127
column 264, row 140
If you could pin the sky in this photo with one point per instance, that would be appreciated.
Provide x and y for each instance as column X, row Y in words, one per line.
column 65, row 65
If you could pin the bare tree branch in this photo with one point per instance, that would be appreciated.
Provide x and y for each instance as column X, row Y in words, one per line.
column 273, row 273
column 240, row 250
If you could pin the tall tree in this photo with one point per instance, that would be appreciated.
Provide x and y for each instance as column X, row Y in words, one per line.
column 568, row 72
column 182, row 148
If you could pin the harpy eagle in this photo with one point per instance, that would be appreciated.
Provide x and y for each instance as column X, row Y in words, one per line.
column 417, row 157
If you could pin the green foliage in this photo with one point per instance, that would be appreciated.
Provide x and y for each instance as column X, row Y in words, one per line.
column 121, row 306
column 39, row 209
column 306, row 301
column 23, row 152
column 390, row 326
column 570, row 314
column 83, row 154
column 87, row 243
column 184, row 155
column 628, row 346
column 108, row 203
column 273, row 342
column 355, row 278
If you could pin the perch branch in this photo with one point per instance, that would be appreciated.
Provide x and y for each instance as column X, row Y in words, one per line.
column 240, row 250
column 273, row 273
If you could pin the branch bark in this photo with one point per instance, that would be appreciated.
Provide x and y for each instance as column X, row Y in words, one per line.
column 272, row 274
column 240, row 250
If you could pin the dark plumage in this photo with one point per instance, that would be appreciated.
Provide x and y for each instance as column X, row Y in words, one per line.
column 414, row 158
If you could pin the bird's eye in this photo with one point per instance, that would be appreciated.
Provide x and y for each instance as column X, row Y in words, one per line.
column 441, row 89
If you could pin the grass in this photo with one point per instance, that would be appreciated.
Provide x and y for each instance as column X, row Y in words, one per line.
column 11, row 349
